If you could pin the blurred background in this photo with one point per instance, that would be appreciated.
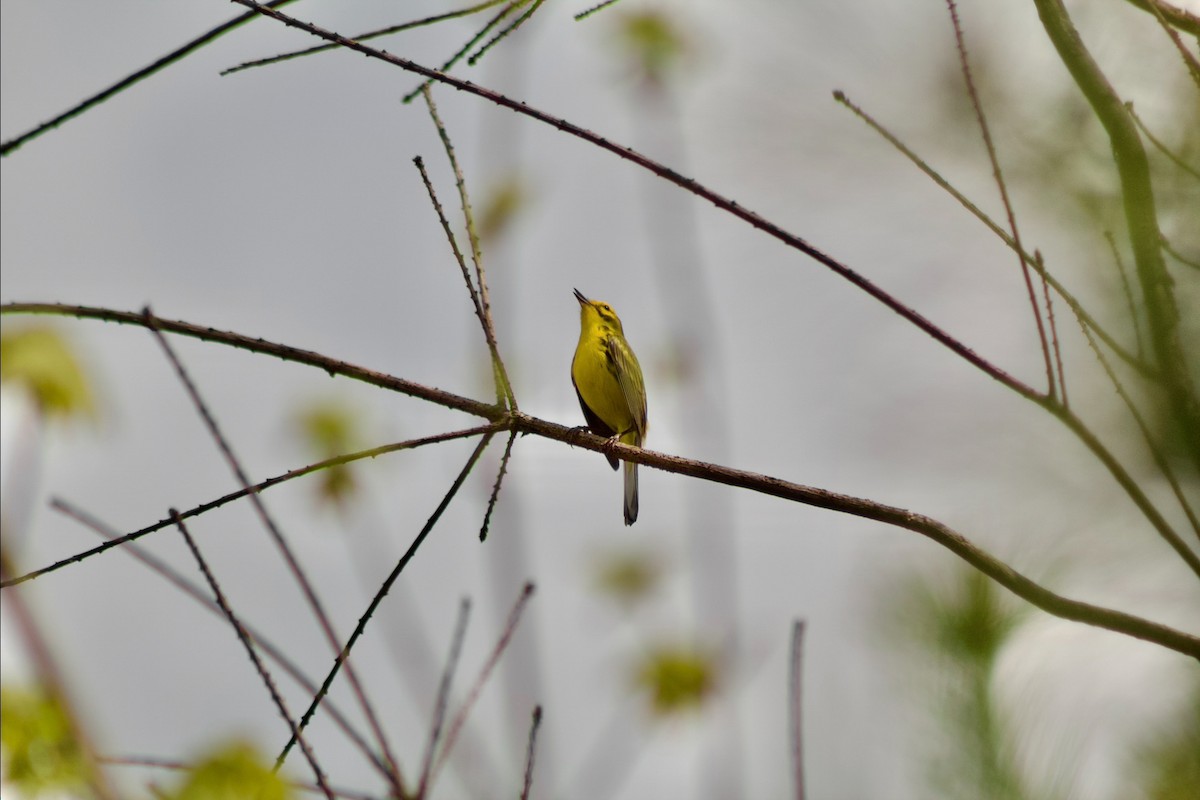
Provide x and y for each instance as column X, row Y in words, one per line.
column 282, row 202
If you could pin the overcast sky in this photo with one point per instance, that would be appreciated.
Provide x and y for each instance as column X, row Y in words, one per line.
column 282, row 203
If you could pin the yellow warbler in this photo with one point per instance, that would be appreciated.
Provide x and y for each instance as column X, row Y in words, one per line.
column 608, row 382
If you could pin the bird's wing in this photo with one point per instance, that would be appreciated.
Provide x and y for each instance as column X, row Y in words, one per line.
column 629, row 378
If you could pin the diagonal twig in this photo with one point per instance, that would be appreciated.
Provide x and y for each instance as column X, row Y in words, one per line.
column 443, row 695
column 998, row 175
column 259, row 666
column 363, row 37
column 280, row 542
column 460, row 718
column 504, row 390
column 192, row 590
column 529, row 751
column 688, row 184
column 487, row 515
column 387, row 585
column 141, row 74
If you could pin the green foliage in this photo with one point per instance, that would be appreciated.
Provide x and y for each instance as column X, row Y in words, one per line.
column 236, row 771
column 628, row 576
column 962, row 625
column 1169, row 764
column 501, row 206
column 677, row 678
column 41, row 359
column 41, row 753
column 653, row 42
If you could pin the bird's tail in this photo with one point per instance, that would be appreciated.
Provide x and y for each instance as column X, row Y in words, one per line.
column 631, row 484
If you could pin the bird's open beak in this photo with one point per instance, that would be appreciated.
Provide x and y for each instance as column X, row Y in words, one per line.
column 583, row 301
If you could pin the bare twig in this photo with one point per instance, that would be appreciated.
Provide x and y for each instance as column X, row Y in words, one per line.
column 1155, row 451
column 141, row 74
column 460, row 718
column 1162, row 148
column 259, row 666
column 466, row 48
column 598, row 7
column 795, row 718
column 192, row 590
column 1134, row 361
column 1141, row 218
column 504, row 390
column 363, row 37
column 240, row 493
column 938, row 532
column 529, row 751
column 443, row 695
column 518, row 22
column 281, row 544
column 1128, row 290
column 487, row 516
column 758, row 222
column 387, row 585
column 1178, row 17
column 998, row 175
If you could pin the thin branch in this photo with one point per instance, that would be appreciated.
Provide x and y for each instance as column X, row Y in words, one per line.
column 598, row 7
column 1155, row 451
column 514, row 617
column 794, row 716
column 1137, row 197
column 998, row 175
column 1189, row 60
column 281, row 544
column 1134, row 361
column 518, row 22
column 443, row 695
column 466, row 48
column 141, row 74
column 387, row 585
column 192, row 590
column 1178, row 17
column 1178, row 256
column 1128, row 291
column 529, row 751
column 487, row 516
column 363, row 37
column 1049, row 301
column 945, row 536
column 670, row 175
column 504, row 390
column 259, row 666
column 240, row 493
column 1162, row 148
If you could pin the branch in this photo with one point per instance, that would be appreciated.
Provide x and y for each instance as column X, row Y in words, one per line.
column 1137, row 195
column 688, row 184
column 141, row 74
column 940, row 533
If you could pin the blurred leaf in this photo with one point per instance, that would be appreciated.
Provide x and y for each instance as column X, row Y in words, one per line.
column 628, row 576
column 653, row 41
column 331, row 428
column 678, row 678
column 41, row 359
column 501, row 206
column 236, row 771
column 41, row 754
column 1170, row 763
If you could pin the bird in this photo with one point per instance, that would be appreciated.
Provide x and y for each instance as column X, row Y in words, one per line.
column 608, row 382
